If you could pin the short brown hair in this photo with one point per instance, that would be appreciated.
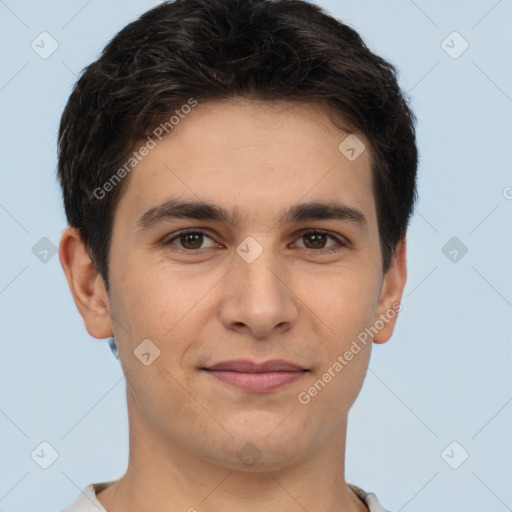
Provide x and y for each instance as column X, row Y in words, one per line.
column 217, row 49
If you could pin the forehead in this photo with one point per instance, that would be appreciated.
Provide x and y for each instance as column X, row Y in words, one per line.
column 255, row 156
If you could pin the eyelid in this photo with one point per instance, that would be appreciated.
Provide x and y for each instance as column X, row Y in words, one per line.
column 336, row 236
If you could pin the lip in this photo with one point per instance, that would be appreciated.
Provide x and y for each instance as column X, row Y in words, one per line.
column 257, row 377
column 246, row 366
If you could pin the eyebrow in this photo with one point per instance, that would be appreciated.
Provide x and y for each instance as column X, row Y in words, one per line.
column 176, row 209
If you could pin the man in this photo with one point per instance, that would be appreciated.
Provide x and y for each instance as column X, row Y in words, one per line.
column 238, row 177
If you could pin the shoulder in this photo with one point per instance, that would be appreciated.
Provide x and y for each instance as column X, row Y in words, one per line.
column 87, row 501
column 369, row 498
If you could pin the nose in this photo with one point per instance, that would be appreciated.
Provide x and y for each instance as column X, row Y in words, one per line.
column 256, row 299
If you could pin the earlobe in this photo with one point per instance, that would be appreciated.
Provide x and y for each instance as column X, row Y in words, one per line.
column 86, row 285
column 391, row 295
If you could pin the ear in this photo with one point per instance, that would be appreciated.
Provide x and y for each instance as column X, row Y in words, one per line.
column 391, row 294
column 86, row 285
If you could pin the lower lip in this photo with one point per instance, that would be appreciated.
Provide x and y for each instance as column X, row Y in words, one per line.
column 257, row 382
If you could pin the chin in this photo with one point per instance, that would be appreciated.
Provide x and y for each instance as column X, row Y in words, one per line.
column 261, row 446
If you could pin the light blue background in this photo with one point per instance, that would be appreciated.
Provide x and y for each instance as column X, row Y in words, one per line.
column 445, row 375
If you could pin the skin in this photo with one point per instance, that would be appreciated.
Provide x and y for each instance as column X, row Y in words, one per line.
column 294, row 302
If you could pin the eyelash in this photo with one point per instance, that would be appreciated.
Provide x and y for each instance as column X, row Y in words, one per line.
column 327, row 250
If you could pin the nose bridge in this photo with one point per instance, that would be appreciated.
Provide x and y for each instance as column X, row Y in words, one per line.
column 262, row 276
column 259, row 271
column 259, row 299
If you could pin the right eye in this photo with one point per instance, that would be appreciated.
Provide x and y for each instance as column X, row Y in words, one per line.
column 190, row 240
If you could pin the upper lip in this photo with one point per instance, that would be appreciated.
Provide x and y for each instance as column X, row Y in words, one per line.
column 245, row 366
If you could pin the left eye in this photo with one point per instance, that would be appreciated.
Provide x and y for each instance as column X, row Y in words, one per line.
column 317, row 240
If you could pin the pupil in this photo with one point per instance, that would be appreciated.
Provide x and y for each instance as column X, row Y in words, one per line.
column 194, row 239
column 317, row 239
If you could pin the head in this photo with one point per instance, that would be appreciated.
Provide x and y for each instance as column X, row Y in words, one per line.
column 241, row 107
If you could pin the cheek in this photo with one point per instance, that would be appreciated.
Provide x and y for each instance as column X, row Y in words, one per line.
column 148, row 296
column 161, row 398
column 346, row 300
column 159, row 303
column 333, row 389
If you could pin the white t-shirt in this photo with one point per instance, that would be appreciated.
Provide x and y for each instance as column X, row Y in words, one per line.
column 87, row 501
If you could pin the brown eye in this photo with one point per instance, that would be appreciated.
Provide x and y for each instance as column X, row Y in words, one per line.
column 190, row 241
column 316, row 240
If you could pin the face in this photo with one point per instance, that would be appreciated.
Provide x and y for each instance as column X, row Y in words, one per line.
column 278, row 260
